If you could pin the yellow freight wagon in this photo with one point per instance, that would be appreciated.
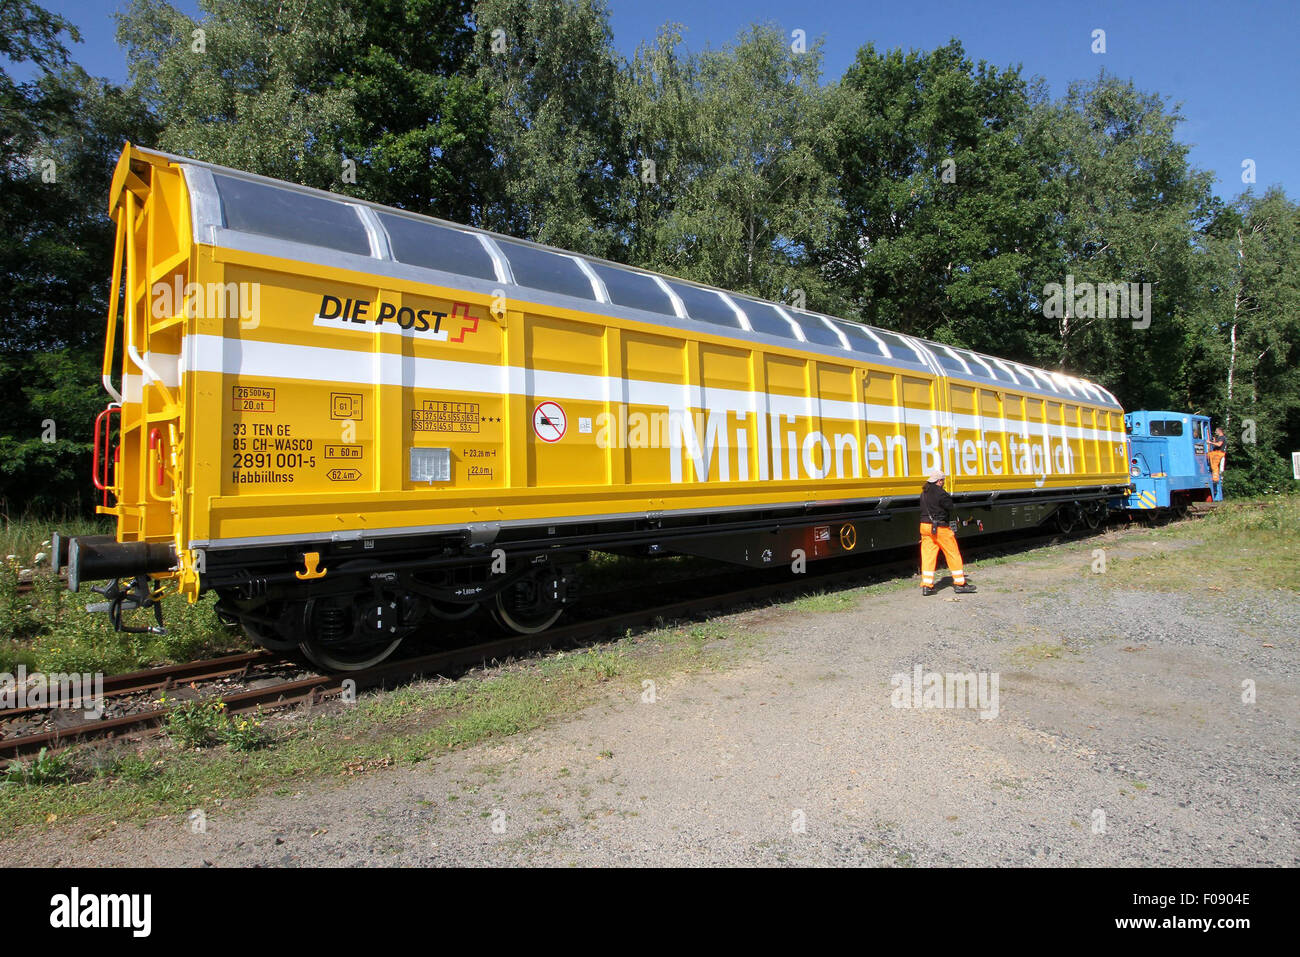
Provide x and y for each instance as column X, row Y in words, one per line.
column 347, row 419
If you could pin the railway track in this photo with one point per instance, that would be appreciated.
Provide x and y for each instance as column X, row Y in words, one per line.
column 312, row 689
column 162, row 679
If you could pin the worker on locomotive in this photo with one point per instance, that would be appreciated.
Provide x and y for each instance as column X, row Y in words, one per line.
column 937, row 522
column 1218, row 452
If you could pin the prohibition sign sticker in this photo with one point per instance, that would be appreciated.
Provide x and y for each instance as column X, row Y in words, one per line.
column 549, row 422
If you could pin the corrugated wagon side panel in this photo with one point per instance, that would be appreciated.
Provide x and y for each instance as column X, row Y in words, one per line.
column 564, row 373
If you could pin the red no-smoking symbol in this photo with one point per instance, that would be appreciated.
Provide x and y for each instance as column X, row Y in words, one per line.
column 549, row 422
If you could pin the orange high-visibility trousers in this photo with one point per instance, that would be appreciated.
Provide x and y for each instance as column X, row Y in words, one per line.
column 1216, row 465
column 934, row 538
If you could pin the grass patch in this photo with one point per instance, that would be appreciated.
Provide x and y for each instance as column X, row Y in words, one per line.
column 397, row 728
column 45, row 768
column 24, row 538
column 1239, row 545
column 201, row 724
column 827, row 601
column 1015, row 555
column 1026, row 656
column 48, row 628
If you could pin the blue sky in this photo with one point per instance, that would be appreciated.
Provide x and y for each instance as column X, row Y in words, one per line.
column 1234, row 66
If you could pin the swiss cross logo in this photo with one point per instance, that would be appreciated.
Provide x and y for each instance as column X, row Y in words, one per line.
column 460, row 322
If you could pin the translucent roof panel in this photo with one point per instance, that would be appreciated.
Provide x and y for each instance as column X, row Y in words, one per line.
column 421, row 243
column 705, row 306
column 1005, row 369
column 948, row 359
column 251, row 207
column 542, row 269
column 859, row 339
column 764, row 317
column 815, row 330
column 988, row 367
column 1063, row 384
column 1040, row 379
column 634, row 290
column 899, row 347
column 977, row 366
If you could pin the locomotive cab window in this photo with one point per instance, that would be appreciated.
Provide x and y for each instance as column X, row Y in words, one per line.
column 548, row 271
column 250, row 207
column 427, row 244
column 1198, row 429
column 1170, row 427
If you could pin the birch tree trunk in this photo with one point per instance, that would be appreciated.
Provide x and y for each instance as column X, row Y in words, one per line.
column 1236, row 312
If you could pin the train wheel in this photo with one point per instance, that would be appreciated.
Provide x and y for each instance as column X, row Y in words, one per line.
column 529, row 605
column 1094, row 517
column 1066, row 519
column 522, row 622
column 257, row 620
column 341, row 636
column 346, row 659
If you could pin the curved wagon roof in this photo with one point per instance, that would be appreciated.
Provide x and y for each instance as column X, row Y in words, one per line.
column 239, row 210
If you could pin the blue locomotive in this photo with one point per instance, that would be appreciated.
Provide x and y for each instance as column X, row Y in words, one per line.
column 1168, row 461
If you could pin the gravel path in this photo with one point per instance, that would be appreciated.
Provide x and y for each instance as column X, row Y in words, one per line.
column 1121, row 737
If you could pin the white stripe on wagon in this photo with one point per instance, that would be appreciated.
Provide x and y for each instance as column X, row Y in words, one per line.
column 249, row 357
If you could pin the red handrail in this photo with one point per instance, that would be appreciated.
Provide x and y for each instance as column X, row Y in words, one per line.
column 103, row 428
column 99, row 470
column 155, row 443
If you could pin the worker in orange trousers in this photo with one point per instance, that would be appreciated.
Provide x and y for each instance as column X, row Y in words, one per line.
column 1218, row 452
column 937, row 535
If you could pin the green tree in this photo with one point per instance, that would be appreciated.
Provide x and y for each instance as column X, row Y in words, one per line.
column 421, row 134
column 942, row 181
column 1248, row 343
column 249, row 84
column 1130, row 209
column 725, row 183
column 550, row 71
column 63, row 132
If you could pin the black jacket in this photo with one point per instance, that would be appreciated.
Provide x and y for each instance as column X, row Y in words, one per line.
column 935, row 504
